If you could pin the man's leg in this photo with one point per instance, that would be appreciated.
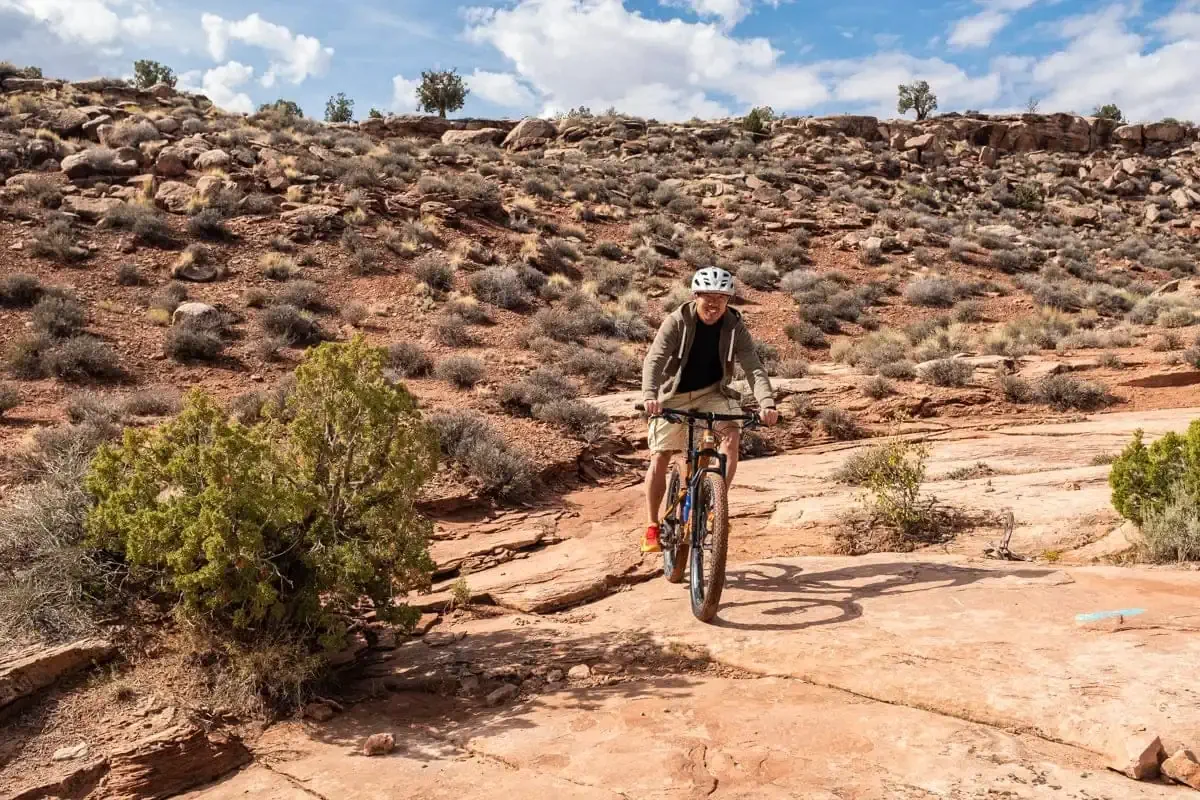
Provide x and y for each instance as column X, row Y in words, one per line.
column 731, row 440
column 656, row 485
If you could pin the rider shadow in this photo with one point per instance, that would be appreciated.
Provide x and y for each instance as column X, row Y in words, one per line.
column 834, row 596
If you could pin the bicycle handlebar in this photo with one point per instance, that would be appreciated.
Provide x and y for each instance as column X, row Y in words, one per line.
column 672, row 415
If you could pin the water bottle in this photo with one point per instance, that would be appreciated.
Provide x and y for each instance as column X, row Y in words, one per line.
column 687, row 506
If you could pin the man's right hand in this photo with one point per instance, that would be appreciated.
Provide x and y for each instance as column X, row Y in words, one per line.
column 653, row 407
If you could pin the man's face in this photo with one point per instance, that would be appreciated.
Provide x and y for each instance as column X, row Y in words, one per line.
column 710, row 306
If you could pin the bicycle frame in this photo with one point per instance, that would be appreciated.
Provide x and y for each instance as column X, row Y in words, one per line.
column 693, row 473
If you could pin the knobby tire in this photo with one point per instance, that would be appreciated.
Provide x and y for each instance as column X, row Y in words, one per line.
column 712, row 495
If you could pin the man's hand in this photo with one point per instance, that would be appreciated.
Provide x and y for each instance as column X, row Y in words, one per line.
column 769, row 416
column 652, row 407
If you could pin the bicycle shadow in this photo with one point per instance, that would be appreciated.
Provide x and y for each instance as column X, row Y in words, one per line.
column 834, row 596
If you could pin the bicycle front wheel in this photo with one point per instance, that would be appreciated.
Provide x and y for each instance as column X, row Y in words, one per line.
column 674, row 540
column 710, row 546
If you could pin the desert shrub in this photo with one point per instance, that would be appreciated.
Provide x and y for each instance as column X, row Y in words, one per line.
column 23, row 356
column 129, row 275
column 462, row 371
column 302, row 294
column 877, row 387
column 317, row 546
column 209, row 223
column 277, row 266
column 294, row 326
column 807, row 334
column 894, row 481
column 58, row 316
column 500, row 286
column 1158, row 487
column 601, row 368
column 193, row 341
column 20, row 291
column 57, row 242
column 877, row 349
column 355, row 313
column 1176, row 318
column 147, row 224
column 577, row 417
column 1066, row 392
column 902, row 370
column 409, row 359
column 434, row 271
column 792, row 368
column 543, row 385
column 933, row 292
column 451, row 330
column 839, row 423
column 10, row 398
column 610, row 250
column 468, row 439
column 759, row 276
column 152, row 403
column 947, row 372
column 969, row 311
column 81, row 357
column 1014, row 388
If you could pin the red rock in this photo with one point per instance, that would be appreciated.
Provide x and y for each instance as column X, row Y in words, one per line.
column 379, row 744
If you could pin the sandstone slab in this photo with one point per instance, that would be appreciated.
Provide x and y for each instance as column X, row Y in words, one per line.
column 29, row 670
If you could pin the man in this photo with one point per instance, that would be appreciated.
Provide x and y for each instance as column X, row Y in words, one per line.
column 689, row 367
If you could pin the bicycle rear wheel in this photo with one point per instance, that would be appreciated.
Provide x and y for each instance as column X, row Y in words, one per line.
column 673, row 535
column 711, row 514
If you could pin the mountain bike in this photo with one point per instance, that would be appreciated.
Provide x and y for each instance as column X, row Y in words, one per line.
column 694, row 531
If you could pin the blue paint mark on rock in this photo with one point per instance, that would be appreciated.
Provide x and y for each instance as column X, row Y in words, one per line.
column 1098, row 615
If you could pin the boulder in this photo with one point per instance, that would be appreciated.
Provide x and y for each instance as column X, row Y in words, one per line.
column 321, row 217
column 920, row 142
column 379, row 744
column 1128, row 135
column 530, row 132
column 167, row 125
column 89, row 208
column 1137, row 755
column 1169, row 132
column 479, row 136
column 1073, row 214
column 195, row 272
column 174, row 196
column 171, row 761
column 193, row 311
column 171, row 162
column 67, row 121
column 99, row 128
column 1183, row 768
column 26, row 671
column 988, row 156
column 503, row 694
column 96, row 161
column 212, row 159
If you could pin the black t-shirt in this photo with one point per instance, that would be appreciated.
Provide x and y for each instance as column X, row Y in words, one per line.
column 704, row 366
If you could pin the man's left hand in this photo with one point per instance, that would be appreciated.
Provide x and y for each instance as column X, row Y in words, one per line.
column 770, row 416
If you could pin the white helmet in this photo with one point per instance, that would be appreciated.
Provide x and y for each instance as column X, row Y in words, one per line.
column 713, row 279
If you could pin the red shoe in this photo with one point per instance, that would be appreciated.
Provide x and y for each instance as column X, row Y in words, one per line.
column 650, row 540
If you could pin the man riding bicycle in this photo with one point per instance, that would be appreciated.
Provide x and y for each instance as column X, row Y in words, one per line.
column 689, row 367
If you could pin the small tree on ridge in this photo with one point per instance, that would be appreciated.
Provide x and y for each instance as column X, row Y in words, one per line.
column 339, row 108
column 147, row 73
column 918, row 97
column 441, row 91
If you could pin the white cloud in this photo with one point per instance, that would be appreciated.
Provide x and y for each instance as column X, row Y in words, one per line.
column 294, row 56
column 220, row 84
column 501, row 88
column 1104, row 61
column 90, row 23
column 598, row 54
column 978, row 30
column 404, row 94
column 729, row 12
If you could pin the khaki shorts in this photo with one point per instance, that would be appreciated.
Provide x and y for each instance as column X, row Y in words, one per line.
column 668, row 437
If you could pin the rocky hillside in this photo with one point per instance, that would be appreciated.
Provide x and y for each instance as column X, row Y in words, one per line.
column 154, row 243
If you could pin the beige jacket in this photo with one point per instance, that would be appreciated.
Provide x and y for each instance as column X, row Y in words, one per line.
column 668, row 353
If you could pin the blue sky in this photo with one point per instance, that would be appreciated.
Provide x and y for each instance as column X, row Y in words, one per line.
column 670, row 59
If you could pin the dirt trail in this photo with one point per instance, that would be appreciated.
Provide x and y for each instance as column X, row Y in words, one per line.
column 925, row 675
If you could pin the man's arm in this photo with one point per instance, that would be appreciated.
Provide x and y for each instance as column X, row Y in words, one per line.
column 666, row 341
column 756, row 374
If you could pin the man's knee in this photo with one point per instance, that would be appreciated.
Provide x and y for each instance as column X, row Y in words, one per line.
column 659, row 462
column 732, row 439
